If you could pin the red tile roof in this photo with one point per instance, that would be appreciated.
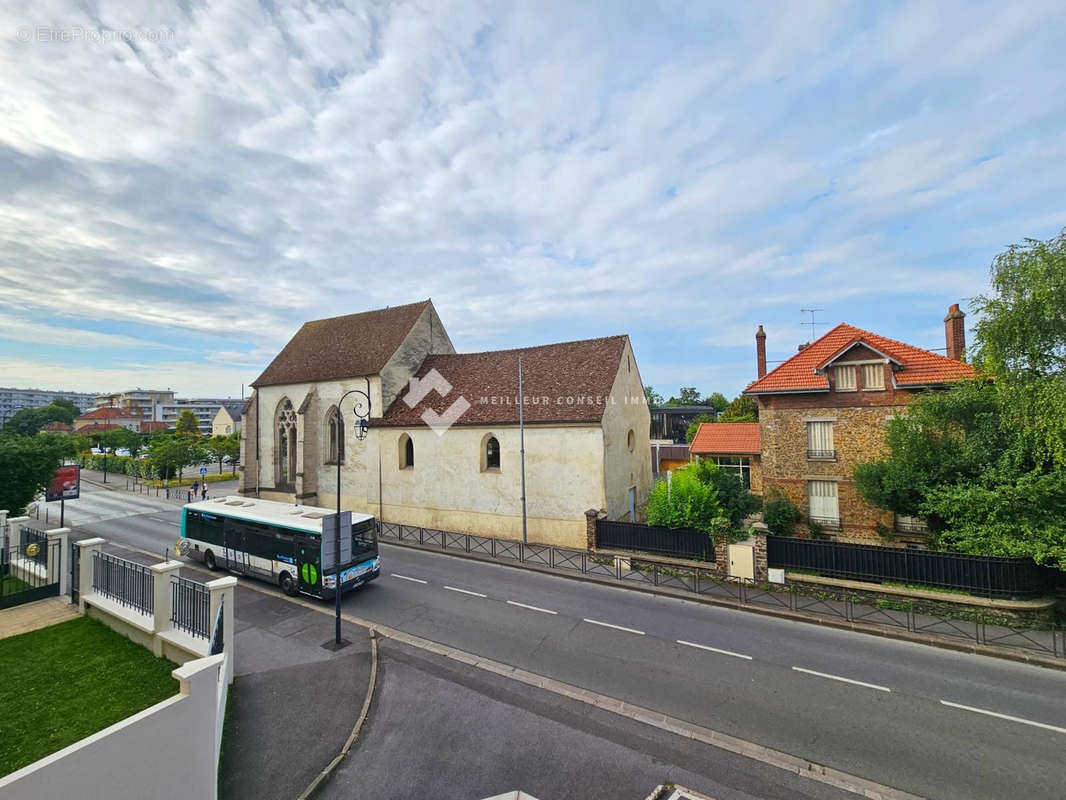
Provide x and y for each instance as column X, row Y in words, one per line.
column 567, row 382
column 149, row 426
column 727, row 437
column 107, row 412
column 97, row 427
column 342, row 347
column 58, row 427
column 919, row 367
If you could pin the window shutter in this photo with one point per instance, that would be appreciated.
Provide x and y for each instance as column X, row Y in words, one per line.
column 873, row 376
column 820, row 436
column 845, row 378
column 823, row 497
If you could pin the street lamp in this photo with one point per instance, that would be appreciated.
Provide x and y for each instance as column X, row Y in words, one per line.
column 361, row 409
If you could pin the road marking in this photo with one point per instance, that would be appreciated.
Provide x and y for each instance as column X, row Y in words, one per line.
column 465, row 591
column 843, row 680
column 1043, row 725
column 714, row 649
column 616, row 627
column 167, row 521
column 532, row 608
column 405, row 578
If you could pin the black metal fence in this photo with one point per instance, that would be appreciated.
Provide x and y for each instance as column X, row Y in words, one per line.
column 676, row 542
column 34, row 545
column 126, row 582
column 982, row 575
column 814, row 603
column 190, row 607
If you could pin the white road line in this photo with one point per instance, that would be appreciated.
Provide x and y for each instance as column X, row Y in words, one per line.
column 405, row 578
column 714, row 649
column 532, row 608
column 465, row 591
column 843, row 680
column 616, row 627
column 1043, row 725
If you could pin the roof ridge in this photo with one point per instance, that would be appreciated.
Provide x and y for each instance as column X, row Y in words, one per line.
column 529, row 347
column 368, row 311
column 812, row 344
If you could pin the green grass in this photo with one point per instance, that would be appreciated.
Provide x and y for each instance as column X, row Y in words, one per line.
column 65, row 682
column 188, row 480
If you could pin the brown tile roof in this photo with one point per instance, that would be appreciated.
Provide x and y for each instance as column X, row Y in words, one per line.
column 727, row 437
column 98, row 427
column 107, row 412
column 342, row 347
column 576, row 378
column 58, row 427
column 919, row 367
column 150, row 427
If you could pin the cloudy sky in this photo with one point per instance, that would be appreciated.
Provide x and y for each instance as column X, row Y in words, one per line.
column 174, row 205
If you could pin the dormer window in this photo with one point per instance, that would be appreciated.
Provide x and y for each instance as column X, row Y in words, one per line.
column 845, row 378
column 873, row 377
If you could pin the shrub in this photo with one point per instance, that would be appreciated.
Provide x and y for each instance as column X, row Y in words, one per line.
column 685, row 502
column 736, row 501
column 779, row 514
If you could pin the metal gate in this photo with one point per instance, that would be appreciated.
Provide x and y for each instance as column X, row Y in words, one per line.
column 29, row 567
column 75, row 572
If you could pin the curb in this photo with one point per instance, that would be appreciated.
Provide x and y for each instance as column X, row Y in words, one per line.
column 332, row 765
column 933, row 640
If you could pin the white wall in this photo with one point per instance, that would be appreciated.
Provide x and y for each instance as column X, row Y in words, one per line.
column 625, row 468
column 167, row 751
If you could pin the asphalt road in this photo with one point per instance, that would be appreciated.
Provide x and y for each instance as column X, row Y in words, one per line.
column 929, row 721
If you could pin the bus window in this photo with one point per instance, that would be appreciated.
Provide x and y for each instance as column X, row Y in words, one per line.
column 203, row 527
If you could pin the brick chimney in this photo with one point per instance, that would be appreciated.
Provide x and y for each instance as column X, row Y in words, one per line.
column 760, row 350
column 955, row 332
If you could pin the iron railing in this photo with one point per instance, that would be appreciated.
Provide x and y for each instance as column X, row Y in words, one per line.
column 190, row 607
column 33, row 545
column 822, row 454
column 677, row 542
column 984, row 575
column 24, row 577
column 126, row 582
column 812, row 603
column 829, row 523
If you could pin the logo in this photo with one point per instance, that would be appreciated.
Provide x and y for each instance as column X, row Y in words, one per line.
column 181, row 547
column 33, row 549
column 309, row 574
column 420, row 388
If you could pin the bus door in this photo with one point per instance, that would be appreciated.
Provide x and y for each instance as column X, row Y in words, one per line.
column 236, row 549
column 308, row 563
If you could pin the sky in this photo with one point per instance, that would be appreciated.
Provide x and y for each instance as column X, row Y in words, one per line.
column 183, row 185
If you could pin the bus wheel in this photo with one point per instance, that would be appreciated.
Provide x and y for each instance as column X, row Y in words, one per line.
column 209, row 560
column 288, row 584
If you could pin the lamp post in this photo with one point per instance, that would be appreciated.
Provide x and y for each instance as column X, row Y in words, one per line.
column 361, row 410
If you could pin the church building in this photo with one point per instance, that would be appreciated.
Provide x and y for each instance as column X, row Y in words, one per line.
column 441, row 445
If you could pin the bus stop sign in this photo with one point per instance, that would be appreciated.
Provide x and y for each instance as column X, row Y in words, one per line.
column 329, row 539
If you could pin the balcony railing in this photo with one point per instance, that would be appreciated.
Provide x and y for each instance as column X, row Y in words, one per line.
column 829, row 523
column 911, row 526
column 822, row 455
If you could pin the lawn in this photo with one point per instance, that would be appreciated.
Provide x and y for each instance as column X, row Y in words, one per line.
column 62, row 683
column 9, row 584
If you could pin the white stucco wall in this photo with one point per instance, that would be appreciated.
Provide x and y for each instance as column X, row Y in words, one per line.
column 624, row 467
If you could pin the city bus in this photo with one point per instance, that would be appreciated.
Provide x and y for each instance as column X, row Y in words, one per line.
column 277, row 542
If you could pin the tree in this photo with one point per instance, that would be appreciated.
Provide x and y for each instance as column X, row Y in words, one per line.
column 742, row 409
column 62, row 402
column 652, row 396
column 28, row 421
column 188, row 424
column 736, row 501
column 684, row 502
column 690, row 431
column 688, row 396
column 223, row 447
column 125, row 439
column 28, row 464
column 171, row 454
column 717, row 401
column 1022, row 330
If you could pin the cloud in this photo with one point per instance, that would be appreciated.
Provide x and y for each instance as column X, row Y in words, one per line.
column 543, row 171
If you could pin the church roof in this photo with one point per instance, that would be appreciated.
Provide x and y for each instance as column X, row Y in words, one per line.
column 566, row 382
column 342, row 347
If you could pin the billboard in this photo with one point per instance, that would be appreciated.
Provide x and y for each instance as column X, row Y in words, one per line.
column 66, row 484
column 329, row 539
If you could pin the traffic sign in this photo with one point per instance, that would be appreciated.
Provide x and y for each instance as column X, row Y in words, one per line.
column 203, row 470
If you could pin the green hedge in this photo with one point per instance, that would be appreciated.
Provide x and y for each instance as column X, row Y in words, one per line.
column 120, row 465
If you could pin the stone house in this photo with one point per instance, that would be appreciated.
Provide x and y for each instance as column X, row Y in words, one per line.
column 825, row 409
column 91, row 421
column 443, row 446
column 733, row 446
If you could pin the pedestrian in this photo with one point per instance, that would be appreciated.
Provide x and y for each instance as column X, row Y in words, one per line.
column 188, row 495
column 196, row 487
column 205, row 490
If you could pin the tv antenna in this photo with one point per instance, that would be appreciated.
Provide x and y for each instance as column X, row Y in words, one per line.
column 812, row 323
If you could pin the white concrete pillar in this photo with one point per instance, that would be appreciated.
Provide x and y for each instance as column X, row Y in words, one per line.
column 3, row 528
column 162, row 597
column 222, row 591
column 86, row 549
column 58, row 553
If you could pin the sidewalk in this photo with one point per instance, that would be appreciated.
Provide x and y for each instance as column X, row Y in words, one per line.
column 178, row 494
column 292, row 704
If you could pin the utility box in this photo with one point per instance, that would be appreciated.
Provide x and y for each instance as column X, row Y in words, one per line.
column 742, row 561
